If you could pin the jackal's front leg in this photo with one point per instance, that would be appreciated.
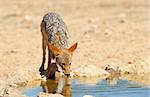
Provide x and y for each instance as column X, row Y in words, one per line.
column 47, row 73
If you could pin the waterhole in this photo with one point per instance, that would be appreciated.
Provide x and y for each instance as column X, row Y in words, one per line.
column 129, row 86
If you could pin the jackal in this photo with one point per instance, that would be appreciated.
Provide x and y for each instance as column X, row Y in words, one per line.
column 58, row 86
column 54, row 36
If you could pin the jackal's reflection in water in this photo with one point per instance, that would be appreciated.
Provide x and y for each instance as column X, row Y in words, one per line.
column 61, row 86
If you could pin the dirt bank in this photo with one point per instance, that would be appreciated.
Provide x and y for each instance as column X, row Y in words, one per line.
column 108, row 32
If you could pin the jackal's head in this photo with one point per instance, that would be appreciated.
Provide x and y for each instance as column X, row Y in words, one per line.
column 64, row 57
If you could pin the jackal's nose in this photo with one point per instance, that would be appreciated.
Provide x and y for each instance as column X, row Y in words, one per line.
column 67, row 75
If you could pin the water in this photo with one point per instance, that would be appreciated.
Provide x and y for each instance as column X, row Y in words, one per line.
column 97, row 87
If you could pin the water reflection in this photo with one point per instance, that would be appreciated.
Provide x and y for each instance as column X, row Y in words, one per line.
column 61, row 86
column 112, row 79
column 142, row 79
column 112, row 86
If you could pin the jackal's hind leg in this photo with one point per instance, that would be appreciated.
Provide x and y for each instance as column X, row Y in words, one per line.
column 44, row 45
column 41, row 69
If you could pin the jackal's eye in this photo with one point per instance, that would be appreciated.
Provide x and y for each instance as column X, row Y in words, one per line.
column 69, row 63
column 63, row 64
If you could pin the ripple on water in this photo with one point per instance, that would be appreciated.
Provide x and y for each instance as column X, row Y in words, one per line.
column 114, row 87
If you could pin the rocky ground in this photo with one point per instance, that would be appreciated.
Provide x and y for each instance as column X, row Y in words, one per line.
column 107, row 31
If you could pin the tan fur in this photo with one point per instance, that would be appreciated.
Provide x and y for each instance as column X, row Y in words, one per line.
column 62, row 55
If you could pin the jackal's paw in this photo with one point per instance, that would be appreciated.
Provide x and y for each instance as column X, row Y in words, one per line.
column 43, row 78
column 42, row 72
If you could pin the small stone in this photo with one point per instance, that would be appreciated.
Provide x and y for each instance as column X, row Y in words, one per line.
column 13, row 51
column 129, row 62
column 89, row 21
column 2, row 92
column 122, row 15
column 42, row 94
column 122, row 21
column 112, row 69
column 88, row 96
column 27, row 18
column 107, row 32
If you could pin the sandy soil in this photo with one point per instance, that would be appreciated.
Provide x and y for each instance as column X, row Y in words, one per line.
column 108, row 32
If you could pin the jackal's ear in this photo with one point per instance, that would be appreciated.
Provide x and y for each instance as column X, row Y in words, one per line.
column 73, row 47
column 54, row 49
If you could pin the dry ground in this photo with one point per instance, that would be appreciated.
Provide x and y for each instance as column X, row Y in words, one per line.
column 108, row 32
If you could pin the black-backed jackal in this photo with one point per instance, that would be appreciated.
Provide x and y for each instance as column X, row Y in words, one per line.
column 54, row 36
